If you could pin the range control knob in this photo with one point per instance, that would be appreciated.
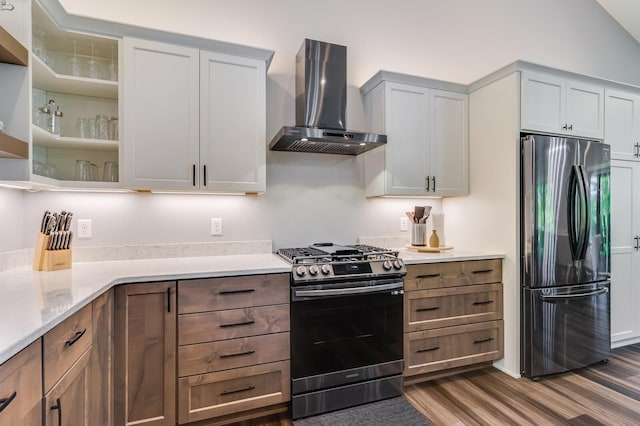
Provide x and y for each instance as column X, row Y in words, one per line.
column 313, row 270
column 397, row 264
column 326, row 269
column 386, row 265
column 301, row 271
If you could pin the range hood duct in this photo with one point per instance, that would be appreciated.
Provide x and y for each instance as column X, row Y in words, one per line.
column 321, row 104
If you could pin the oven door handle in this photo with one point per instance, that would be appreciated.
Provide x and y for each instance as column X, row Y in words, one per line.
column 348, row 290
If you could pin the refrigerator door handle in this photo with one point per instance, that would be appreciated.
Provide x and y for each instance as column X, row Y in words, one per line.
column 597, row 292
column 577, row 213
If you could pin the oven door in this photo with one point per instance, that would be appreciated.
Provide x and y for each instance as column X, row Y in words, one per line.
column 345, row 333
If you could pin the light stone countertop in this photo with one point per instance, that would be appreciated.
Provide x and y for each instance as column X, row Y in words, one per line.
column 32, row 303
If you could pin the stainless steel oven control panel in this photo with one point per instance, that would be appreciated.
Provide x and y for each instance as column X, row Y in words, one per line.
column 304, row 273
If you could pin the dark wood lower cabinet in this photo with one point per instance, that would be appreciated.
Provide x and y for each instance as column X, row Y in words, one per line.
column 101, row 362
column 67, row 403
column 145, row 354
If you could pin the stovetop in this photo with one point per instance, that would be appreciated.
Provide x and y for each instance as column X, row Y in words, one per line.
column 329, row 261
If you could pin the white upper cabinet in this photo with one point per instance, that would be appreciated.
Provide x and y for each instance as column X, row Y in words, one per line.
column 194, row 120
column 427, row 140
column 232, row 122
column 622, row 123
column 554, row 104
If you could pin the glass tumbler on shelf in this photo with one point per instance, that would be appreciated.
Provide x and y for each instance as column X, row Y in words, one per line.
column 82, row 128
column 74, row 62
column 82, row 171
column 91, row 128
column 110, row 172
column 102, row 127
column 93, row 65
column 113, row 129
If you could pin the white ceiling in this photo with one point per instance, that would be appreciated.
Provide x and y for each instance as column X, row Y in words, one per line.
column 626, row 12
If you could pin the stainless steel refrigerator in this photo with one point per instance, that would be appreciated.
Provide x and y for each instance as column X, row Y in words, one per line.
column 565, row 249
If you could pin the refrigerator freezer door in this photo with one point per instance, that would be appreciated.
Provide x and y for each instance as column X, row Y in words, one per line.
column 564, row 328
column 565, row 211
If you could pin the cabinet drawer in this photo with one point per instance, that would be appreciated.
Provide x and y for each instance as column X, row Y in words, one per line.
column 231, row 391
column 233, row 353
column 449, row 347
column 446, row 307
column 452, row 274
column 231, row 324
column 65, row 343
column 21, row 387
column 232, row 292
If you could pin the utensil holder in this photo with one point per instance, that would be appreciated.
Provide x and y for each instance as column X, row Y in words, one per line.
column 418, row 234
column 49, row 260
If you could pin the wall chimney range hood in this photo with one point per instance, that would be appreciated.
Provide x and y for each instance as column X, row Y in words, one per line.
column 321, row 103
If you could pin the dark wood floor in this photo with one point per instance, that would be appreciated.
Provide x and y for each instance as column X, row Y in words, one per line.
column 604, row 394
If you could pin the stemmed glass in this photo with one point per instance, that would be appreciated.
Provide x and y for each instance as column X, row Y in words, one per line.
column 113, row 68
column 74, row 62
column 93, row 65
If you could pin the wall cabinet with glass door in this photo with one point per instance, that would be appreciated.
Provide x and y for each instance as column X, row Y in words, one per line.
column 75, row 126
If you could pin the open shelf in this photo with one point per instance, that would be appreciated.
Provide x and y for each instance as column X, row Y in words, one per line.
column 11, row 147
column 11, row 51
column 43, row 138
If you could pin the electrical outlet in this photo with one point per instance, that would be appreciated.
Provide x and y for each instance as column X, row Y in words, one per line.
column 404, row 223
column 216, row 226
column 84, row 228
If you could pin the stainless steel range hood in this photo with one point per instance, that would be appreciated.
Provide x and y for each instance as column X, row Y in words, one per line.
column 321, row 103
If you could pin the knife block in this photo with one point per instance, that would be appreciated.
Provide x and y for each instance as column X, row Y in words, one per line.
column 49, row 260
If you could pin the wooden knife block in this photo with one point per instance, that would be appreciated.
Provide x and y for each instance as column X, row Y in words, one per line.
column 49, row 260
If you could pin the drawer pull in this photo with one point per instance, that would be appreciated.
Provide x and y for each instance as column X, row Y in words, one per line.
column 488, row 339
column 237, row 354
column 76, row 337
column 249, row 290
column 58, row 407
column 435, row 308
column 4, row 402
column 236, row 324
column 482, row 271
column 229, row 392
column 485, row 302
column 427, row 276
column 433, row 348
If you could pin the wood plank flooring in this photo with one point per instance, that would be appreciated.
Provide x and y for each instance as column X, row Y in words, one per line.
column 604, row 394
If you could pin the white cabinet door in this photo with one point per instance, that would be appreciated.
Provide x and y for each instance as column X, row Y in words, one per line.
column 543, row 102
column 161, row 131
column 448, row 143
column 407, row 127
column 625, row 256
column 622, row 124
column 232, row 123
column 554, row 104
column 585, row 109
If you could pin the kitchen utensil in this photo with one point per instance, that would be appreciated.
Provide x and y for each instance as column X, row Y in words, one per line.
column 418, row 212
column 411, row 216
column 425, row 216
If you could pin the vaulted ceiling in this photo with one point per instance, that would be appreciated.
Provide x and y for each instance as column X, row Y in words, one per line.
column 626, row 12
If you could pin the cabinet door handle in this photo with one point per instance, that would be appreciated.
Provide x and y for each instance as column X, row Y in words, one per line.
column 227, row 292
column 488, row 339
column 236, row 324
column 426, row 183
column 204, row 172
column 4, row 402
column 564, row 127
column 433, row 179
column 244, row 389
column 637, row 244
column 75, row 337
column 435, row 308
column 433, row 348
column 169, row 299
column 58, row 407
column 482, row 271
column 484, row 302
column 570, row 126
column 427, row 276
column 193, row 173
column 636, row 150
column 249, row 352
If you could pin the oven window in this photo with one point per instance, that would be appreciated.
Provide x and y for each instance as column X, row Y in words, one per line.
column 340, row 333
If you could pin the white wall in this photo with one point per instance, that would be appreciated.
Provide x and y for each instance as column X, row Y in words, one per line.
column 312, row 197
column 12, row 210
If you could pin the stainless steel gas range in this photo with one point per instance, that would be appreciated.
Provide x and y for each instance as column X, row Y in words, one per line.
column 346, row 326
